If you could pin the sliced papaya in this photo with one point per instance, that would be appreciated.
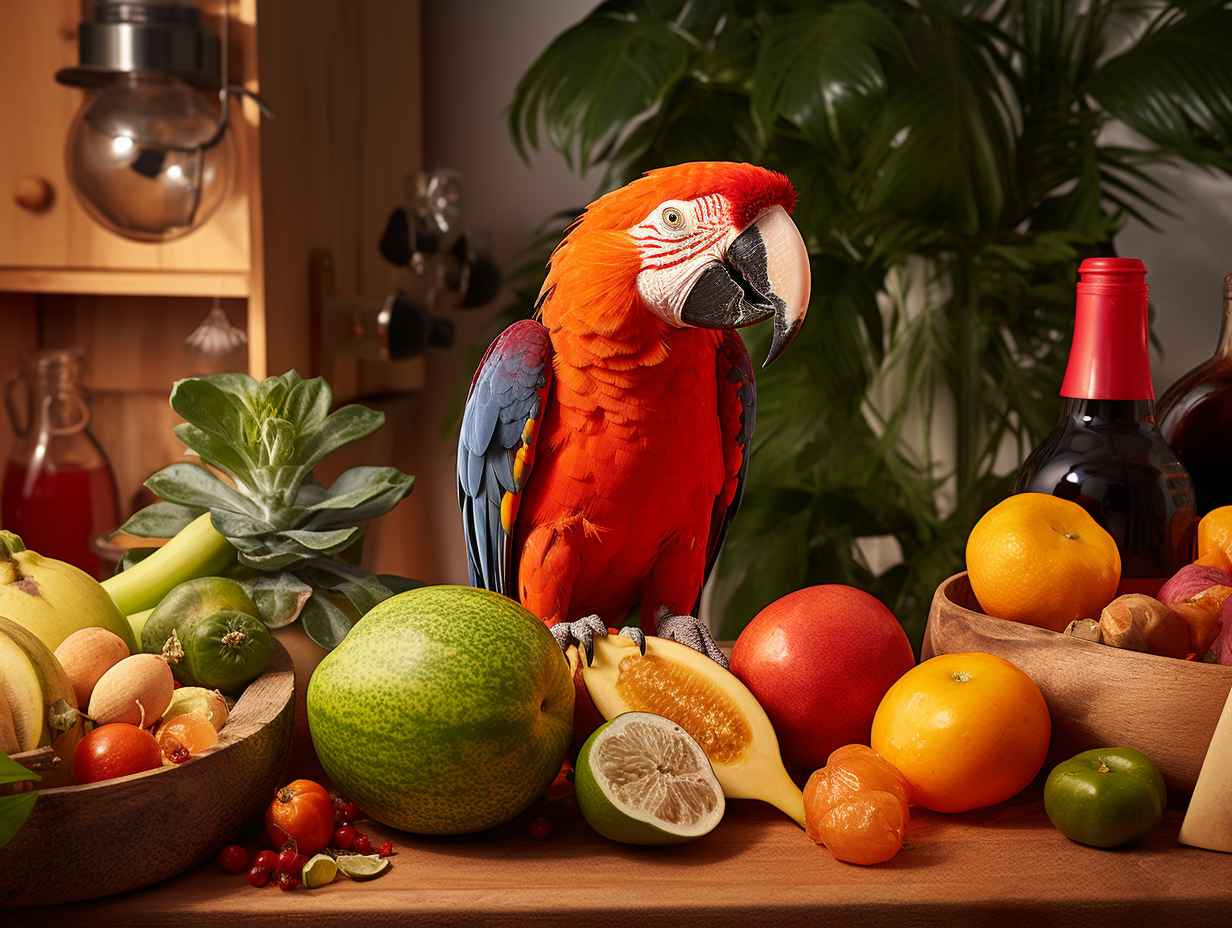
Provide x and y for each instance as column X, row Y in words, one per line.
column 705, row 700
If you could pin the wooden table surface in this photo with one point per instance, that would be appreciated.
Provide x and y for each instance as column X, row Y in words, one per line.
column 1003, row 867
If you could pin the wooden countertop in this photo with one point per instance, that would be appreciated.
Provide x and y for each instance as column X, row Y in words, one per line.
column 1002, row 867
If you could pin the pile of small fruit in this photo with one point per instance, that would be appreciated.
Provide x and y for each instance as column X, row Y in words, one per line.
column 316, row 837
column 1044, row 561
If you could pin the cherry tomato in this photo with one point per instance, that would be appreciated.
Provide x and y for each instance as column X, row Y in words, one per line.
column 344, row 837
column 347, row 812
column 267, row 860
column 258, row 876
column 290, row 861
column 233, row 859
column 301, row 814
column 287, row 882
column 115, row 750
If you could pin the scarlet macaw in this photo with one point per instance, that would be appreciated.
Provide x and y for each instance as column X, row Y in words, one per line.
column 604, row 450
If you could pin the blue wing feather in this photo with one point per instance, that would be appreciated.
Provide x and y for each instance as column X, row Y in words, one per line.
column 510, row 387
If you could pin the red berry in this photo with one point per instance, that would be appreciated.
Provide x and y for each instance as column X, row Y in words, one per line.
column 290, row 861
column 386, row 849
column 540, row 828
column 344, row 837
column 287, row 881
column 258, row 876
column 266, row 860
column 362, row 843
column 233, row 859
column 349, row 811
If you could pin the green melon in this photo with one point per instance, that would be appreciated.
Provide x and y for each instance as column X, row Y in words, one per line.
column 445, row 710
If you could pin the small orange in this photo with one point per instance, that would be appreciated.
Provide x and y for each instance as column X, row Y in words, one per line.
column 965, row 730
column 1042, row 560
column 1215, row 539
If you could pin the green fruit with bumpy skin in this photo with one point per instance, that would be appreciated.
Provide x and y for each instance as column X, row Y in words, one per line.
column 445, row 710
column 185, row 606
column 642, row 779
column 226, row 651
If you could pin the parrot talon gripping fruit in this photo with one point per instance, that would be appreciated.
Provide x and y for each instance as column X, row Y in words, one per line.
column 692, row 633
column 605, row 444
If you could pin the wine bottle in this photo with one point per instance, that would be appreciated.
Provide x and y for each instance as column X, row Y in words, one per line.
column 1107, row 453
column 1195, row 417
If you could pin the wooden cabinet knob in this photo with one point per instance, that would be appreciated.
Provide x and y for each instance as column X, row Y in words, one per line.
column 34, row 194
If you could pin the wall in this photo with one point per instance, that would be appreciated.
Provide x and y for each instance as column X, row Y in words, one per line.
column 475, row 52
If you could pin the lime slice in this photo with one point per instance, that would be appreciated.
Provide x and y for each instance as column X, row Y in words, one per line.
column 362, row 866
column 641, row 779
column 320, row 871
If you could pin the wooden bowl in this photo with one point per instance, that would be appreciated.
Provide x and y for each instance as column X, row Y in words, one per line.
column 82, row 842
column 1098, row 696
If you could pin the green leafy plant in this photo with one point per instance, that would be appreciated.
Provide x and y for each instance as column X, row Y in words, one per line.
column 15, row 808
column 953, row 168
column 296, row 542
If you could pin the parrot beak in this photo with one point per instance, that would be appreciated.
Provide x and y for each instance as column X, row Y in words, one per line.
column 764, row 274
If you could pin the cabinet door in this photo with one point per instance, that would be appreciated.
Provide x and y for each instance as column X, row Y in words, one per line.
column 35, row 115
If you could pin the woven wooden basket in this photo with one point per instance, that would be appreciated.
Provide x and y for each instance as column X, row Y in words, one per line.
column 1098, row 696
column 82, row 842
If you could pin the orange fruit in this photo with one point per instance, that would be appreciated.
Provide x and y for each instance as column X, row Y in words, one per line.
column 1042, row 560
column 965, row 731
column 850, row 772
column 185, row 735
column 867, row 829
column 1215, row 539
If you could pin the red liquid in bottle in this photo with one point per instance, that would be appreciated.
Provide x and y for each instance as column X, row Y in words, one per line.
column 60, row 511
column 1107, row 453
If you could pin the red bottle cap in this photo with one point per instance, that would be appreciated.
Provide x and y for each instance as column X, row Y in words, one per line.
column 1109, row 358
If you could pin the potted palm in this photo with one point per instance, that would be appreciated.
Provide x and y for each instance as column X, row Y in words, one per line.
column 954, row 165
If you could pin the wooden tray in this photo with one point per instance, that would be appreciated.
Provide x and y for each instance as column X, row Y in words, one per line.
column 1098, row 696
column 82, row 842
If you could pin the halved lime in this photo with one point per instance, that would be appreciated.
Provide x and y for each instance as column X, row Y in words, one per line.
column 320, row 871
column 362, row 866
column 642, row 779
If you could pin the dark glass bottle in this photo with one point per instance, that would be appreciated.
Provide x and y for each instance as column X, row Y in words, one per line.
column 1107, row 453
column 1195, row 417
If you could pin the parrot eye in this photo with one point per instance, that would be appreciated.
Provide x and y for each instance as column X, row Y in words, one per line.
column 673, row 218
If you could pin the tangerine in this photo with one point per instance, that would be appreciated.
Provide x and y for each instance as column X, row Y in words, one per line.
column 1042, row 560
column 1215, row 539
column 965, row 730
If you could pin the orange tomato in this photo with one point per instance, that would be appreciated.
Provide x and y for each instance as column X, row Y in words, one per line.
column 1042, row 560
column 965, row 731
column 302, row 814
column 1215, row 539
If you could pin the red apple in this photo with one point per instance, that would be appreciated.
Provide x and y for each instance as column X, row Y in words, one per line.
column 819, row 660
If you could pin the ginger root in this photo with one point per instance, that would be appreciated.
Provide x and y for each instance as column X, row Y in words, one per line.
column 1142, row 623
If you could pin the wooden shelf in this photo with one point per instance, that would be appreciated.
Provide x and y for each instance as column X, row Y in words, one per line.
column 124, row 282
column 1001, row 866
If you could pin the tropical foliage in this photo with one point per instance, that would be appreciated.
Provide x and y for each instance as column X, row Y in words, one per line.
column 954, row 162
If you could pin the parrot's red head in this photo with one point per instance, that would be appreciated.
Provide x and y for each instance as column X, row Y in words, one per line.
column 707, row 244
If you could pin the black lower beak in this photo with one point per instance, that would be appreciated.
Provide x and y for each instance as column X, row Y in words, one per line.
column 735, row 293
column 738, row 293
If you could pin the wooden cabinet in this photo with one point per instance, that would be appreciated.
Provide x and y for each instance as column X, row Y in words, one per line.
column 343, row 80
column 45, row 235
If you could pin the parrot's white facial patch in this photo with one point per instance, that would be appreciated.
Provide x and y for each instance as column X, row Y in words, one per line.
column 678, row 240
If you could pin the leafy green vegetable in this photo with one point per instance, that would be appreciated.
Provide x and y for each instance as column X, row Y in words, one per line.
column 953, row 167
column 15, row 808
column 292, row 534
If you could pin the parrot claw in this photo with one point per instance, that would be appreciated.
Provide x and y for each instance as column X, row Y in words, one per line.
column 582, row 633
column 690, row 632
column 636, row 635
